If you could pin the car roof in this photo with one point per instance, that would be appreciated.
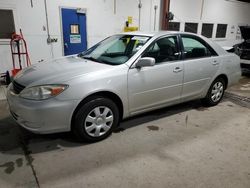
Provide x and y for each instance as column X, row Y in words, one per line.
column 157, row 33
column 215, row 46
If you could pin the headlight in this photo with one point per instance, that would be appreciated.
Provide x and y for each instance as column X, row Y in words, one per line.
column 42, row 92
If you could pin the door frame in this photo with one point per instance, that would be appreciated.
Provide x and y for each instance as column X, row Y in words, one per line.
column 61, row 24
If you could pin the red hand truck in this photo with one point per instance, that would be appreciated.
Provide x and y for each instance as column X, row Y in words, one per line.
column 19, row 48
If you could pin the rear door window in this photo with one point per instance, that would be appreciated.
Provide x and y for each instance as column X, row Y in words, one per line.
column 196, row 48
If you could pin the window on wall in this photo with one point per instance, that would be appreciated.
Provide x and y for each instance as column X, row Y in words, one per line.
column 7, row 25
column 221, row 31
column 207, row 30
column 74, row 29
column 174, row 26
column 191, row 27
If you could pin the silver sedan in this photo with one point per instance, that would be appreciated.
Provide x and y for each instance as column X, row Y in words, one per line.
column 121, row 76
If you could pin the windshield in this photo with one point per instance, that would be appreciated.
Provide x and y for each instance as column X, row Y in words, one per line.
column 115, row 50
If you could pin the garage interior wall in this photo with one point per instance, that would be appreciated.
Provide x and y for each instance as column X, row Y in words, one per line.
column 103, row 19
column 230, row 12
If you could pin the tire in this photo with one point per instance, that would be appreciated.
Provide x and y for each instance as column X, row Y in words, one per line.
column 7, row 78
column 95, row 120
column 215, row 92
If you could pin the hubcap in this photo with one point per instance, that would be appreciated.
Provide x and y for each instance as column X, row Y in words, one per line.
column 217, row 91
column 98, row 121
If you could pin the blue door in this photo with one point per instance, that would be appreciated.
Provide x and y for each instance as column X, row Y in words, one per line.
column 74, row 31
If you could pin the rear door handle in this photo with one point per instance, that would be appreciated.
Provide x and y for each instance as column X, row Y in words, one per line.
column 177, row 69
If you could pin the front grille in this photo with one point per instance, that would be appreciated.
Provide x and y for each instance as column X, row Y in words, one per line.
column 17, row 87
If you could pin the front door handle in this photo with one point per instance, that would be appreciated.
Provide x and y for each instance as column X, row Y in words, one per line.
column 177, row 69
column 215, row 62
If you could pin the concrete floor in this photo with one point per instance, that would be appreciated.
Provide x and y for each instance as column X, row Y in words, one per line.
column 182, row 146
column 2, row 92
column 243, row 88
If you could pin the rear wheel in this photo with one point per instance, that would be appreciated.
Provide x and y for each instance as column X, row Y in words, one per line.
column 96, row 119
column 215, row 92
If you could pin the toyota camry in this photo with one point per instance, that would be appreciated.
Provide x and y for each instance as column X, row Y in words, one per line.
column 122, row 76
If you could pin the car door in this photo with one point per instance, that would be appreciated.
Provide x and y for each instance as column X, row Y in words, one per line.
column 200, row 64
column 161, row 84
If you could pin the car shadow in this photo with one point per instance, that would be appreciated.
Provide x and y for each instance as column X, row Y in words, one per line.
column 13, row 137
column 158, row 114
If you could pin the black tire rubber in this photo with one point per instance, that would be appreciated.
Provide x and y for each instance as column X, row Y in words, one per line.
column 79, row 119
column 207, row 101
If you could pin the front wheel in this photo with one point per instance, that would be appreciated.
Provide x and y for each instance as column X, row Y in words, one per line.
column 215, row 92
column 96, row 120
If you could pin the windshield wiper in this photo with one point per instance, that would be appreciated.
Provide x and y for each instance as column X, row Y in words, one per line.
column 96, row 60
column 91, row 58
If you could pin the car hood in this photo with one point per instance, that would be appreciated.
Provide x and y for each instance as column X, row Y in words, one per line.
column 245, row 32
column 58, row 71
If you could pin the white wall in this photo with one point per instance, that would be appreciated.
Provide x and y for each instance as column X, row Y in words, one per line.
column 101, row 22
column 214, row 11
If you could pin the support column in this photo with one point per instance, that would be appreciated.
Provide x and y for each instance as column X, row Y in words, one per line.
column 164, row 15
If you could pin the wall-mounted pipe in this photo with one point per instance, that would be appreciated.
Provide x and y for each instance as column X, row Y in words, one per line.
column 47, row 19
column 155, row 8
column 140, row 7
column 31, row 3
column 114, row 6
column 47, row 25
column 202, row 8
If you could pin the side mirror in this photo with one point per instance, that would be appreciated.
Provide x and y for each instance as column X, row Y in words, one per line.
column 145, row 62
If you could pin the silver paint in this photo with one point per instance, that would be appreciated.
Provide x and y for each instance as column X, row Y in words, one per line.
column 139, row 89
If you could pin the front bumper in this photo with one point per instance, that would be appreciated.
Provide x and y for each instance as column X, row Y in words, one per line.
column 47, row 116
